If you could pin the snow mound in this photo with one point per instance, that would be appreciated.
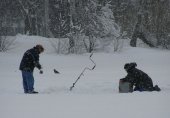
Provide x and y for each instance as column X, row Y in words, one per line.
column 23, row 43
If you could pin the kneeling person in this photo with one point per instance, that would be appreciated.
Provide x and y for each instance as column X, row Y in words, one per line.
column 139, row 79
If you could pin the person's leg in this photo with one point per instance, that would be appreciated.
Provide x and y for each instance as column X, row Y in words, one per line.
column 149, row 84
column 25, row 84
column 139, row 87
column 30, row 81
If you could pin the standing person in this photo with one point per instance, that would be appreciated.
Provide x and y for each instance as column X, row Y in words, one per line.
column 29, row 61
column 139, row 79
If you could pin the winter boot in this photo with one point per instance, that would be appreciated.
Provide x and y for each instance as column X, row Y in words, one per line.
column 33, row 92
column 156, row 88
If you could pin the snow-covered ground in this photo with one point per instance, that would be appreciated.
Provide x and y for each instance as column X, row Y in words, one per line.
column 95, row 95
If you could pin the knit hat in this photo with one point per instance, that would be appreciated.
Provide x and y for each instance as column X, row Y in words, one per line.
column 129, row 66
column 40, row 47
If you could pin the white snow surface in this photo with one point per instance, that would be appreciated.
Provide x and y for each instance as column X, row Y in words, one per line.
column 95, row 95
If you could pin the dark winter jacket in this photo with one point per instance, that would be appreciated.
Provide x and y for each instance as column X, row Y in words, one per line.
column 30, row 60
column 138, row 78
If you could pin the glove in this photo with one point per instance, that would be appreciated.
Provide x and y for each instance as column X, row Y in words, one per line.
column 41, row 72
column 38, row 65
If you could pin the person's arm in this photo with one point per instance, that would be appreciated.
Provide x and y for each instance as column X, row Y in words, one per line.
column 38, row 65
column 35, row 58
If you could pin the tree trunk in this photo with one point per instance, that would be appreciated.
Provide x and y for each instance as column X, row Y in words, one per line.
column 91, row 43
column 133, row 40
column 139, row 33
column 46, row 18
column 27, row 25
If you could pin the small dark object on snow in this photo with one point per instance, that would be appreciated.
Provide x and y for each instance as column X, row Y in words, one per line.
column 55, row 71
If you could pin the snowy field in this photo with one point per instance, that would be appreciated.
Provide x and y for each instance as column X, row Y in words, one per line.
column 96, row 93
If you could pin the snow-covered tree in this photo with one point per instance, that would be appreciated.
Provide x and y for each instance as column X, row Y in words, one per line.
column 110, row 33
column 153, row 22
column 59, row 18
column 97, row 22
